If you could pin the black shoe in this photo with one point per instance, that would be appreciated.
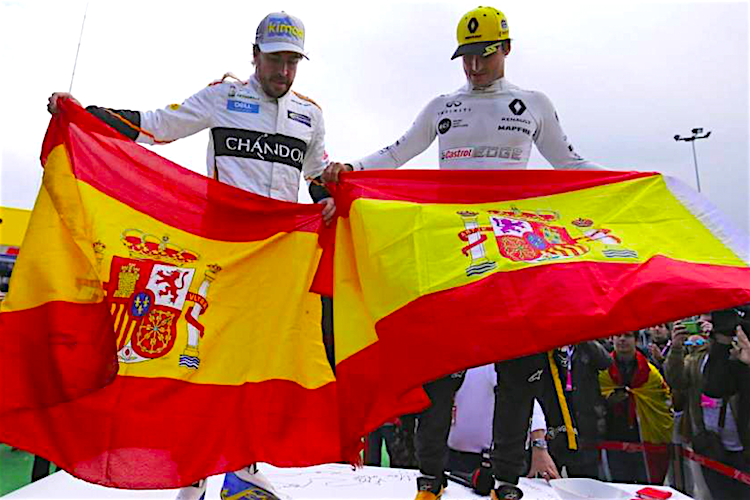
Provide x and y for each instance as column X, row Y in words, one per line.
column 429, row 487
column 506, row 491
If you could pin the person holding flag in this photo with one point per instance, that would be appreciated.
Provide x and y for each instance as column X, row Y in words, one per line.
column 489, row 123
column 264, row 136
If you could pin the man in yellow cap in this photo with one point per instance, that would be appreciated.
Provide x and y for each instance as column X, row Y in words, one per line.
column 488, row 123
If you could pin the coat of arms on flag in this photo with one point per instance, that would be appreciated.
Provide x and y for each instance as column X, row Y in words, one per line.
column 533, row 236
column 147, row 294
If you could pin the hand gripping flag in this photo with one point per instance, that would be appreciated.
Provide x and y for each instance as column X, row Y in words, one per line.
column 437, row 271
column 159, row 327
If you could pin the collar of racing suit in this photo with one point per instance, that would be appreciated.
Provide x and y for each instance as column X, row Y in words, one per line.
column 498, row 85
column 259, row 88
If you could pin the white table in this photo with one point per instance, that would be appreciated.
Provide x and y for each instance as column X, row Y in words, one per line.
column 330, row 481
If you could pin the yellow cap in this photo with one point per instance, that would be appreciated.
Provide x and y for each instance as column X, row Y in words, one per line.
column 480, row 32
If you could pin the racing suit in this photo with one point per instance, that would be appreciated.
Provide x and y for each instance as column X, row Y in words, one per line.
column 488, row 128
column 492, row 127
column 257, row 143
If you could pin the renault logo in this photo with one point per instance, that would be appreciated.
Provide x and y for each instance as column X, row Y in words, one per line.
column 473, row 25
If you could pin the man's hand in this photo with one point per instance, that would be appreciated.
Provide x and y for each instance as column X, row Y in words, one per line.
column 679, row 333
column 618, row 396
column 741, row 346
column 542, row 465
column 656, row 353
column 332, row 171
column 53, row 99
column 329, row 209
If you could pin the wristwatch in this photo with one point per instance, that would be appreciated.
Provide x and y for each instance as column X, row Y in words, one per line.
column 540, row 443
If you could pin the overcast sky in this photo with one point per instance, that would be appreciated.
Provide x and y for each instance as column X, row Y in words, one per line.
column 625, row 77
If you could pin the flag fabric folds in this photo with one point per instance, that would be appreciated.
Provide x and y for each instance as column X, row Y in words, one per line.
column 437, row 271
column 159, row 327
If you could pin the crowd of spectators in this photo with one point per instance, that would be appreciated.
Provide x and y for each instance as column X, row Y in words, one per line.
column 641, row 402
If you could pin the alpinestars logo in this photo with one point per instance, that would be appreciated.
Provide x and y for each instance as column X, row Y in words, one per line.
column 275, row 148
column 517, row 107
column 537, row 376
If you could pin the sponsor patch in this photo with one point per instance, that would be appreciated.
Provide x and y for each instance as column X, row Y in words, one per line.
column 276, row 148
column 244, row 95
column 517, row 107
column 242, row 107
column 297, row 117
column 444, row 125
column 504, row 152
column 452, row 154
column 514, row 128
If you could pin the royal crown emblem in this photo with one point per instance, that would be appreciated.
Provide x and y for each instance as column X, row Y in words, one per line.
column 147, row 246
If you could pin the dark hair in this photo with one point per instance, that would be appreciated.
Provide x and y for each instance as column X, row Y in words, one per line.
column 630, row 333
column 726, row 320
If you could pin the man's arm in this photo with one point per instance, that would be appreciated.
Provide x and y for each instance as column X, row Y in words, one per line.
column 315, row 161
column 541, row 462
column 154, row 127
column 600, row 358
column 414, row 141
column 552, row 142
column 674, row 366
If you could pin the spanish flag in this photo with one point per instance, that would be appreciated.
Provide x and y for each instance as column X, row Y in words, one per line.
column 650, row 407
column 159, row 327
column 438, row 271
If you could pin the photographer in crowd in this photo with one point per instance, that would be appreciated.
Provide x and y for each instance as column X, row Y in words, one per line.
column 726, row 402
column 683, row 372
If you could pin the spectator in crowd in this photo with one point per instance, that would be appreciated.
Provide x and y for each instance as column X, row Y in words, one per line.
column 659, row 344
column 639, row 411
column 582, row 391
column 726, row 403
column 683, row 373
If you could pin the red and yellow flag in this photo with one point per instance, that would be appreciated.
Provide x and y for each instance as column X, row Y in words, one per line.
column 159, row 327
column 437, row 271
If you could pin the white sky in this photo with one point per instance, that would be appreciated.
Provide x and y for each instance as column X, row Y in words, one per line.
column 625, row 77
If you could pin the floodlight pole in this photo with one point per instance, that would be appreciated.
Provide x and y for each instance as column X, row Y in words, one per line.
column 691, row 139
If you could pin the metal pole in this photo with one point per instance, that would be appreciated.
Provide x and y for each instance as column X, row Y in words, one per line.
column 695, row 162
column 75, row 63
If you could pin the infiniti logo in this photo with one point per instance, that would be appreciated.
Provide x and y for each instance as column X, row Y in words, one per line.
column 452, row 104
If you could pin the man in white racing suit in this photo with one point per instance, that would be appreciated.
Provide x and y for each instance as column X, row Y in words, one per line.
column 264, row 137
column 489, row 123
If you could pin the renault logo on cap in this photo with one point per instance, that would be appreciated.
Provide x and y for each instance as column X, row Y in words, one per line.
column 473, row 25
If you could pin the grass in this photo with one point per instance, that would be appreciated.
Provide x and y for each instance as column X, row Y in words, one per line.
column 15, row 469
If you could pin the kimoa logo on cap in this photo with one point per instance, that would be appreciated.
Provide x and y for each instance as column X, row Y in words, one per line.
column 282, row 27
